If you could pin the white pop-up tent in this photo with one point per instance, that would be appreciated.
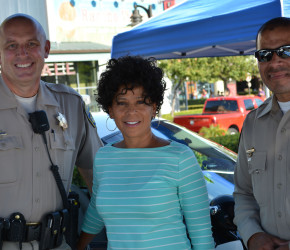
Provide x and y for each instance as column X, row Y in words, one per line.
column 200, row 28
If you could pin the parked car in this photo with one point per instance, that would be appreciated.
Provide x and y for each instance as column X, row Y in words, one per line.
column 217, row 162
column 227, row 112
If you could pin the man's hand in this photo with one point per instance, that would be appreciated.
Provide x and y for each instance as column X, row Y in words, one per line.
column 264, row 241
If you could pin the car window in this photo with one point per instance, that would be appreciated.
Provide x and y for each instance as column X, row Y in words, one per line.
column 258, row 101
column 249, row 105
column 209, row 156
column 221, row 106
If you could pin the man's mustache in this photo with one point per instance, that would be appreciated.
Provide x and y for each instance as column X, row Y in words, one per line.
column 279, row 69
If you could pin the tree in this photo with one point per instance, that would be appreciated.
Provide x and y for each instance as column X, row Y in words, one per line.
column 207, row 69
column 177, row 71
column 226, row 68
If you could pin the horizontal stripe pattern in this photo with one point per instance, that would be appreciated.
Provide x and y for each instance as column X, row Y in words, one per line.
column 143, row 195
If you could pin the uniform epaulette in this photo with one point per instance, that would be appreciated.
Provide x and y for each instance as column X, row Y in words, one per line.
column 61, row 88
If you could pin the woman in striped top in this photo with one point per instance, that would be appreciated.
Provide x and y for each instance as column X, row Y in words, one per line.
column 149, row 193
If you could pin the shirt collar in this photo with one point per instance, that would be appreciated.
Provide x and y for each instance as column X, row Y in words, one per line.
column 269, row 106
column 45, row 96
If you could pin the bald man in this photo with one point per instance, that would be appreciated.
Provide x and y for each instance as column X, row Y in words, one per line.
column 29, row 193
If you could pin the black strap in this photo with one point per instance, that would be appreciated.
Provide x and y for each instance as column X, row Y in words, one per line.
column 54, row 169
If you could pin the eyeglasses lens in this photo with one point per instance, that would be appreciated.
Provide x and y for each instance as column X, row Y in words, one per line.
column 266, row 55
column 284, row 52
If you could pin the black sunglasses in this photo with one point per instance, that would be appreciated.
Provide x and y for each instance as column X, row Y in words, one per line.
column 265, row 55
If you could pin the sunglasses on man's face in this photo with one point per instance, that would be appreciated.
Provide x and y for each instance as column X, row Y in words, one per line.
column 265, row 55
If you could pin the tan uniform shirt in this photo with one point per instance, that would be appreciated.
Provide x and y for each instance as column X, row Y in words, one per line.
column 26, row 181
column 262, row 178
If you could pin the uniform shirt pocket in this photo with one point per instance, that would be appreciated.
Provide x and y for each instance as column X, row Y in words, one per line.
column 62, row 148
column 9, row 145
column 259, row 173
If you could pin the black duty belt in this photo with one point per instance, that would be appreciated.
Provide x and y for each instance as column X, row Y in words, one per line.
column 17, row 229
column 49, row 232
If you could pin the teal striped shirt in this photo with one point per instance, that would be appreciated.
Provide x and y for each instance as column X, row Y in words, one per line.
column 141, row 196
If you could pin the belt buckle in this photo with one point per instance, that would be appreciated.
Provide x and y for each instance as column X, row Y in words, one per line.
column 32, row 223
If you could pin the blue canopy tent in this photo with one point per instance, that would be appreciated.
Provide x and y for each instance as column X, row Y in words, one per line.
column 200, row 28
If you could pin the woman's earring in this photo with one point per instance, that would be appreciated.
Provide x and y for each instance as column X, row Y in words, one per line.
column 107, row 125
column 158, row 123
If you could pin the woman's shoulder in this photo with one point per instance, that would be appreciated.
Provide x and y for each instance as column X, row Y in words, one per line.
column 107, row 147
column 179, row 145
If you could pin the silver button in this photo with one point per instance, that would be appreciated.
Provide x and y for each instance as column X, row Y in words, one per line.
column 280, row 157
column 257, row 171
column 36, row 149
column 37, row 200
column 283, row 130
column 279, row 185
column 279, row 214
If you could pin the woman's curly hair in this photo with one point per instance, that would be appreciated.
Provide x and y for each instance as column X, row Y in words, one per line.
column 130, row 72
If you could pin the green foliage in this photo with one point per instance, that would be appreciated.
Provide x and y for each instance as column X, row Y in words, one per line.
column 200, row 157
column 86, row 72
column 177, row 71
column 233, row 67
column 212, row 131
column 229, row 141
column 198, row 106
column 207, row 69
column 199, row 102
column 210, row 69
column 77, row 179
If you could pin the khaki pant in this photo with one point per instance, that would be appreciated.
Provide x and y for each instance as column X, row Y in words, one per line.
column 32, row 245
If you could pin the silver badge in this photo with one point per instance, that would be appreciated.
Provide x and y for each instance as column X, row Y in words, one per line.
column 62, row 121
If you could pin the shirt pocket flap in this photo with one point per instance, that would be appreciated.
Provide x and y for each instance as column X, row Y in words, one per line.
column 257, row 162
column 11, row 142
column 61, row 141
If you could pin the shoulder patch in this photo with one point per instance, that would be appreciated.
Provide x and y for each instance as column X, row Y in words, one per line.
column 90, row 117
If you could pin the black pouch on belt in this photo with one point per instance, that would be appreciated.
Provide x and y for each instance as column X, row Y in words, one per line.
column 16, row 230
column 63, row 226
column 49, row 231
column 71, row 234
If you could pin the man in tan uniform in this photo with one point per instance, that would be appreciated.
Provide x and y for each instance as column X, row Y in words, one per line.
column 262, row 175
column 27, row 184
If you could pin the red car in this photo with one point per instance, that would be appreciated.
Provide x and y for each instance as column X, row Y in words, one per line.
column 227, row 112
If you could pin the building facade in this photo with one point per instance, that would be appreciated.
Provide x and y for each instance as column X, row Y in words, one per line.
column 81, row 33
